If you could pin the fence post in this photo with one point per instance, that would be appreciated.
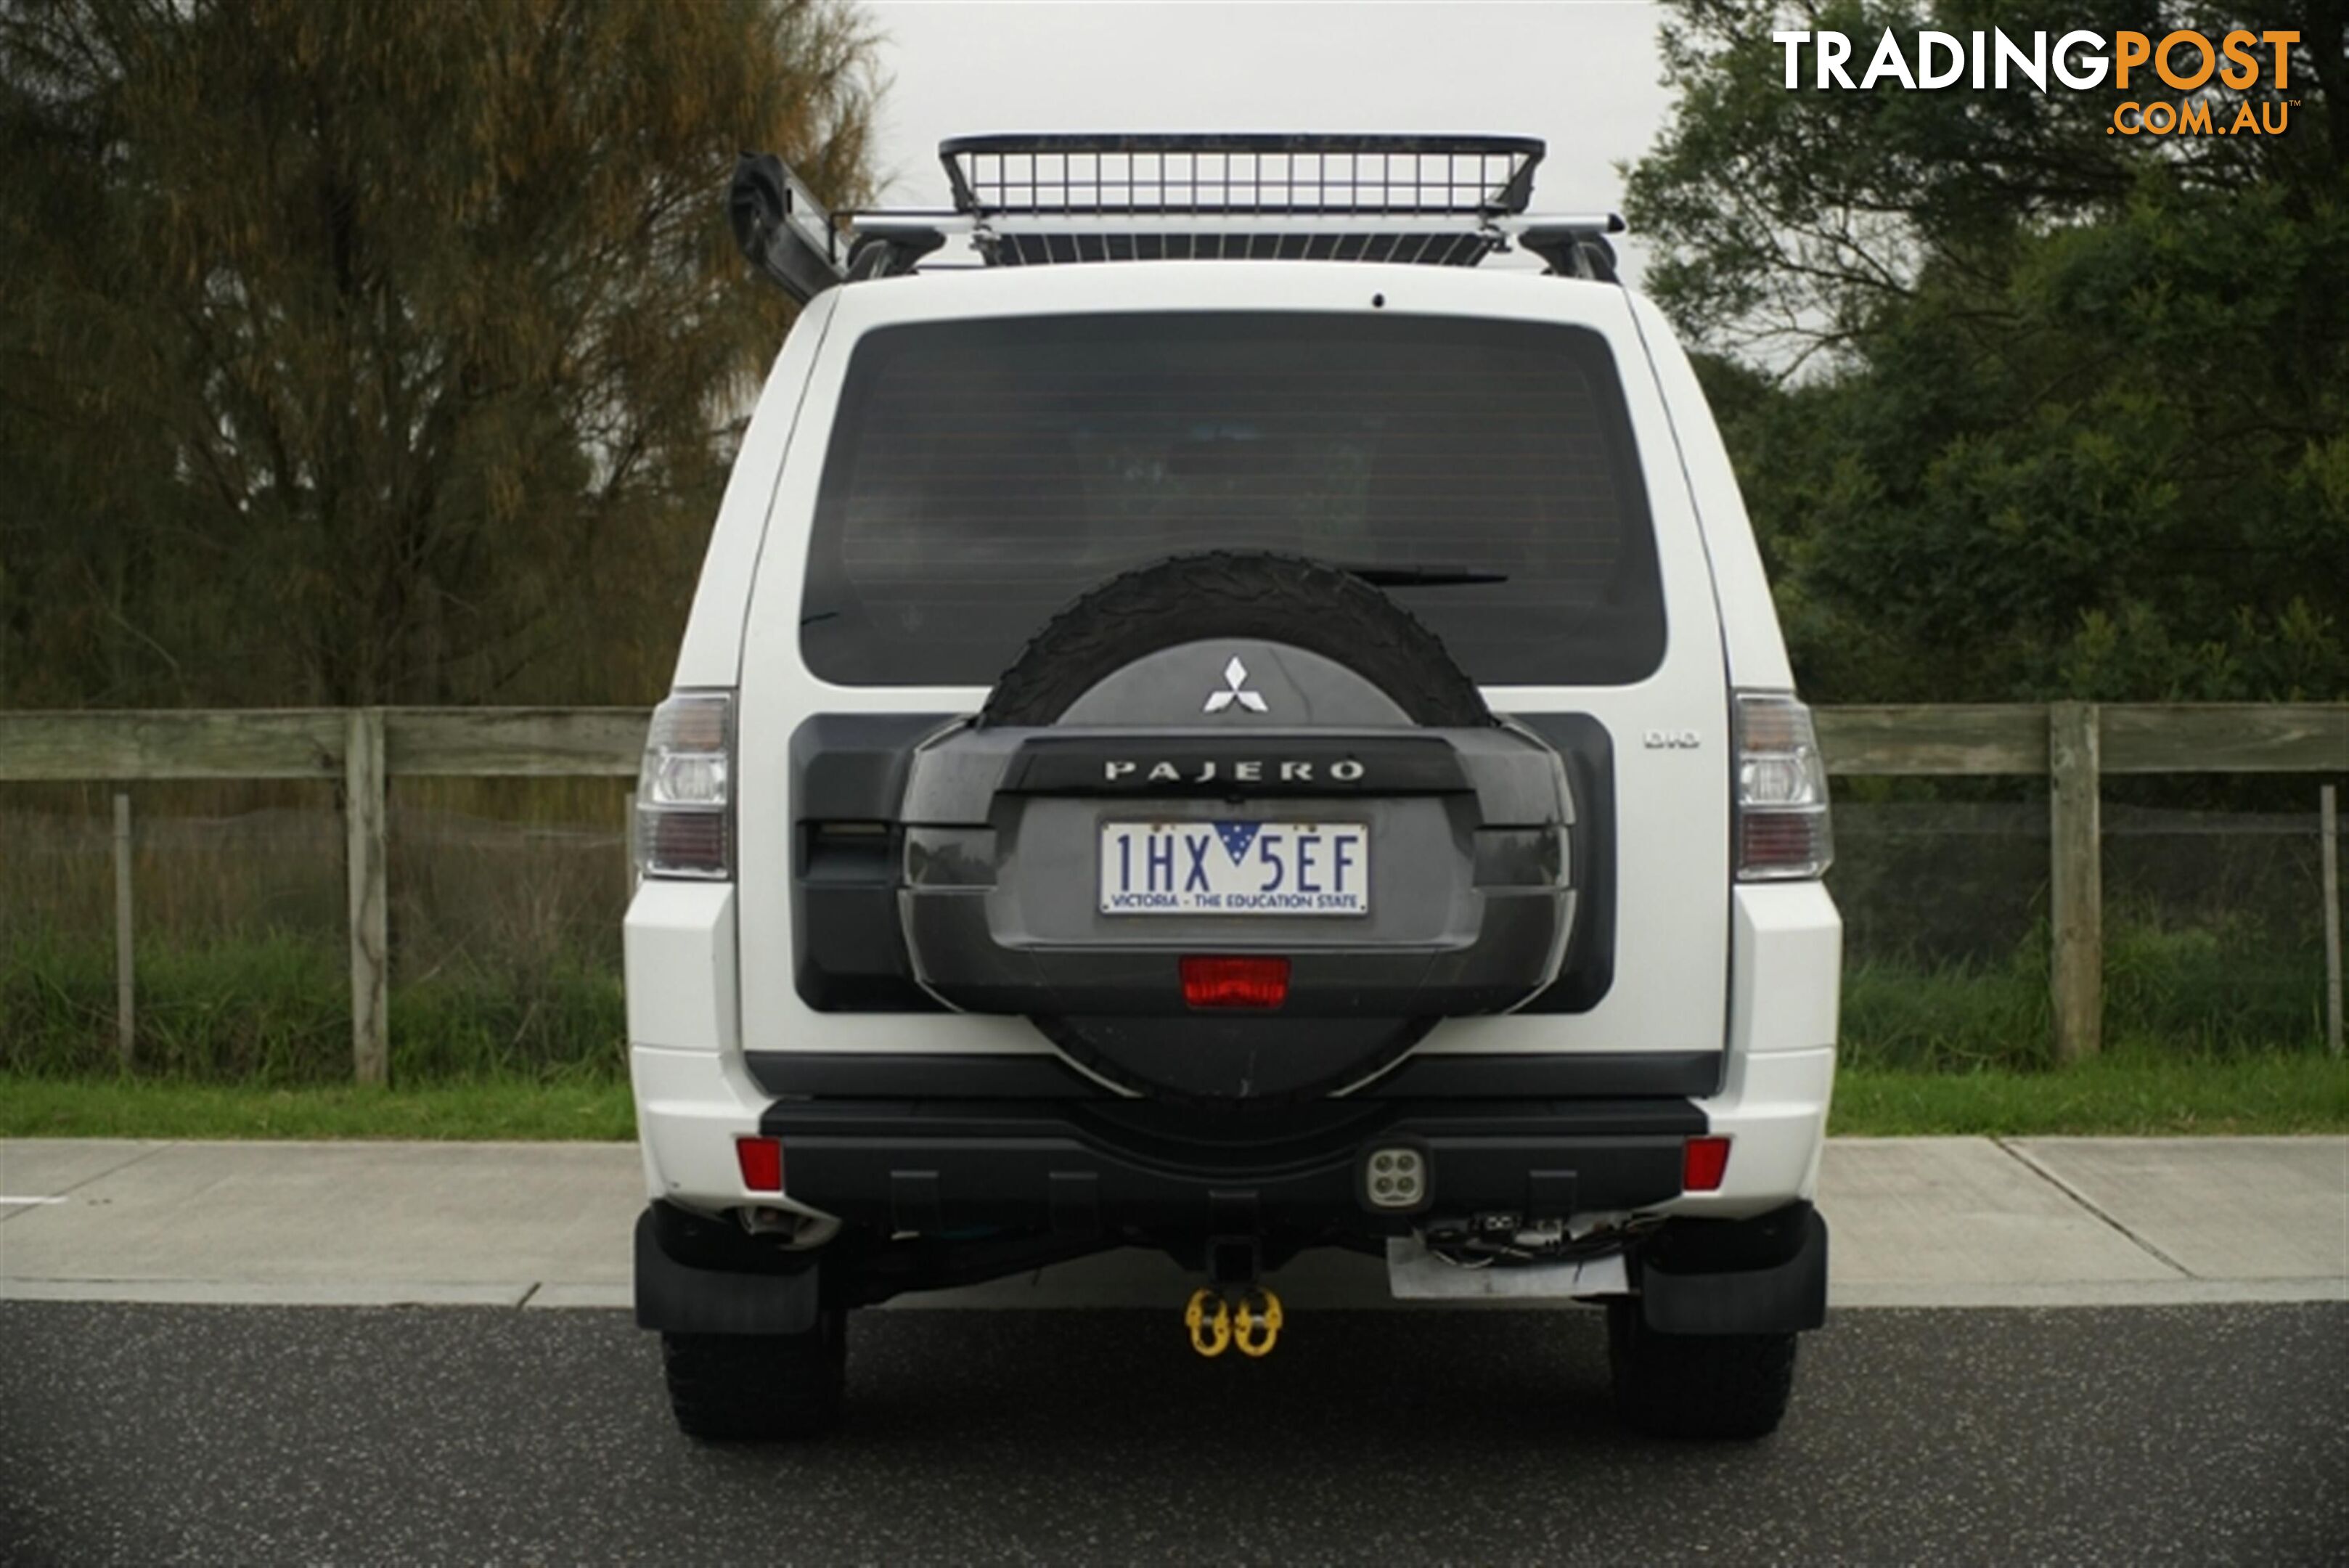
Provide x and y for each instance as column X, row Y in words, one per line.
column 2075, row 881
column 364, row 804
column 125, row 1028
column 2329, row 831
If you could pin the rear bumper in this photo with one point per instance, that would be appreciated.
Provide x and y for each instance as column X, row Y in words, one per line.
column 697, row 1089
column 1082, row 1169
column 845, row 1147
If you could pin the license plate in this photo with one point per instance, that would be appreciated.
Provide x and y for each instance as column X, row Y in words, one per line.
column 1234, row 869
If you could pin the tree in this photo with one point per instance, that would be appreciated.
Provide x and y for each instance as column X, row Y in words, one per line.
column 2023, row 408
column 366, row 353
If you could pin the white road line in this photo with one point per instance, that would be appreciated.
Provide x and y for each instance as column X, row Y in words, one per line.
column 31, row 1200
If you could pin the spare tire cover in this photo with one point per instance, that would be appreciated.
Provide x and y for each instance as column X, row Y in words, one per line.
column 1226, row 1057
column 1230, row 593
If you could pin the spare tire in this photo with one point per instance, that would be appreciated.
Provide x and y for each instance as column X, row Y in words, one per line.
column 1306, row 604
column 1078, row 669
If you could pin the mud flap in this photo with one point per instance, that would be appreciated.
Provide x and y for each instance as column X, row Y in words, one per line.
column 680, row 1298
column 1766, row 1275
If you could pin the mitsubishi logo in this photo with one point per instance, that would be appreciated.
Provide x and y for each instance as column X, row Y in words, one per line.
column 1235, row 678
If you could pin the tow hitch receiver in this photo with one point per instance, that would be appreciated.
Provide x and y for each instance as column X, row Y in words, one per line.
column 1250, row 1319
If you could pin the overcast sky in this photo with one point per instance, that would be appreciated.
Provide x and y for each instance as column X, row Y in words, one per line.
column 1581, row 74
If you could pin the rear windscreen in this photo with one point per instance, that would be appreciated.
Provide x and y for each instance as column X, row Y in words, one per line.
column 983, row 473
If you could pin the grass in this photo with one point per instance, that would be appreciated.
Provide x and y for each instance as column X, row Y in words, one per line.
column 2127, row 1094
column 273, row 1007
column 490, row 1109
column 2223, row 988
column 2133, row 1091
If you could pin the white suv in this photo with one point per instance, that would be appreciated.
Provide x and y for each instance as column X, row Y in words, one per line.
column 1221, row 724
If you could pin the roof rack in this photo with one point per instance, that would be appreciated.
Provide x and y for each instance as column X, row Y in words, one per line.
column 1268, row 175
column 1046, row 199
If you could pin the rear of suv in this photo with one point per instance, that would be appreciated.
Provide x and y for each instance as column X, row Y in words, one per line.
column 1226, row 726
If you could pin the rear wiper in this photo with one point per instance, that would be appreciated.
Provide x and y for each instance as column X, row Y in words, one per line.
column 1420, row 577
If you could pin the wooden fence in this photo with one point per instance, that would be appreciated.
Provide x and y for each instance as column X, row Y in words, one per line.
column 2074, row 744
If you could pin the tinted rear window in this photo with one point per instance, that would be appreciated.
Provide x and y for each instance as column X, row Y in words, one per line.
column 983, row 473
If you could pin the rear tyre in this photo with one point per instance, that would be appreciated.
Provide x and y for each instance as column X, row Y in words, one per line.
column 1697, row 1386
column 759, row 1387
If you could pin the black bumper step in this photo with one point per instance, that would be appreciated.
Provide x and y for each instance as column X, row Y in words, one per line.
column 936, row 1166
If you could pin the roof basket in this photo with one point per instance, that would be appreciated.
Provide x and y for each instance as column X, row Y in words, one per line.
column 1202, row 175
column 1035, row 200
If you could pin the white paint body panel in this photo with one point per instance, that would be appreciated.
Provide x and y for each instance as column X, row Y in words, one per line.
column 1756, row 650
column 1785, row 982
column 711, row 653
column 1693, row 964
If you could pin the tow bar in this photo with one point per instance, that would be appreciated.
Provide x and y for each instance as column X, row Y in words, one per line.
column 1249, row 1320
column 1234, row 1308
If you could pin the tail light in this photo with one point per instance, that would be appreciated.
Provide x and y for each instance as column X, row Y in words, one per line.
column 1704, row 1162
column 684, row 816
column 762, row 1159
column 1235, row 981
column 1782, row 792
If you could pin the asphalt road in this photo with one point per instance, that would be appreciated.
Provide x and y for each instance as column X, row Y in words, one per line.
column 144, row 1434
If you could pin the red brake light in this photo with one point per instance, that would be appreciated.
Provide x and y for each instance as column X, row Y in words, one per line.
column 1235, row 981
column 1783, row 838
column 762, row 1159
column 1704, row 1163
